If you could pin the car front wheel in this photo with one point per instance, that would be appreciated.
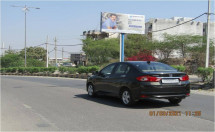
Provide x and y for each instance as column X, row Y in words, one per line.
column 90, row 90
column 175, row 100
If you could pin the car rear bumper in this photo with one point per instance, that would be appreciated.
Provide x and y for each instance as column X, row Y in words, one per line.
column 163, row 91
column 165, row 96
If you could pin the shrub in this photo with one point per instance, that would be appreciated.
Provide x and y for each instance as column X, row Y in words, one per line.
column 21, row 69
column 72, row 70
column 44, row 69
column 35, row 70
column 205, row 73
column 93, row 68
column 62, row 69
column 14, row 69
column 3, row 70
column 8, row 69
column 179, row 67
column 52, row 69
column 83, row 69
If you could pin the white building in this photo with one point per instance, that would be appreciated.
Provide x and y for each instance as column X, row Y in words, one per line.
column 189, row 28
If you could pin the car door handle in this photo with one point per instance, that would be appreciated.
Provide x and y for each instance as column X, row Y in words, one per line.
column 123, row 76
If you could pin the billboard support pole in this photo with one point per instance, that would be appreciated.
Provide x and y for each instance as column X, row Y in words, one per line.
column 122, row 36
column 120, row 47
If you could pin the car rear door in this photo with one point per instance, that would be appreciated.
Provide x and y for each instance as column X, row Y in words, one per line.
column 118, row 78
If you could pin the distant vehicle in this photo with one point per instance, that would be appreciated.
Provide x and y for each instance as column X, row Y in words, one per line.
column 68, row 64
column 135, row 80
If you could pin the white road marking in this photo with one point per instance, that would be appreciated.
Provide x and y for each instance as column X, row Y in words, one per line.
column 26, row 106
column 41, row 116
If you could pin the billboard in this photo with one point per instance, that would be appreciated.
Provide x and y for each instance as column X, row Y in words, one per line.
column 122, row 23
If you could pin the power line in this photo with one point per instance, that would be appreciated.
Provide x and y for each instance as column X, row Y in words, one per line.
column 66, row 45
column 179, row 24
column 39, row 45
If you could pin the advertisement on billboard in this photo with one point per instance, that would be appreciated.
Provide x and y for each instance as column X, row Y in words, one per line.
column 122, row 23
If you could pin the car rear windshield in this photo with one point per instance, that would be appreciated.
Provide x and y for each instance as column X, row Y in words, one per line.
column 155, row 66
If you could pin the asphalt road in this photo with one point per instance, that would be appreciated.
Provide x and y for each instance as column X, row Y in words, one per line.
column 58, row 104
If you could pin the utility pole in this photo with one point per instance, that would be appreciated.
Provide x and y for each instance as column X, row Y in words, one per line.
column 47, row 52
column 55, row 40
column 26, row 9
column 2, row 49
column 62, row 53
column 208, row 41
column 9, row 48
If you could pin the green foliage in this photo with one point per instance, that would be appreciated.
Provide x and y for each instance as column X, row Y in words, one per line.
column 52, row 69
column 35, row 58
column 93, row 68
column 83, row 69
column 101, row 51
column 183, row 42
column 21, row 69
column 37, row 53
column 62, row 69
column 72, row 70
column 14, row 69
column 205, row 73
column 197, row 53
column 3, row 70
column 134, row 43
column 35, row 70
column 35, row 63
column 11, row 60
column 179, row 67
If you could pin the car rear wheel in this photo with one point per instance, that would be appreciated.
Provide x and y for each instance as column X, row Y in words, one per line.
column 90, row 90
column 175, row 100
column 126, row 97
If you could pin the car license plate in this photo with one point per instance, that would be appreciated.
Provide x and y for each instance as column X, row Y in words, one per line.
column 170, row 81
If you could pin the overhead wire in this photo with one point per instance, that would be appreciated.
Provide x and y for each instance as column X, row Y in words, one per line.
column 179, row 24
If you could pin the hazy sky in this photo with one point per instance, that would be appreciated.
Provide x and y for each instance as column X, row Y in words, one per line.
column 68, row 19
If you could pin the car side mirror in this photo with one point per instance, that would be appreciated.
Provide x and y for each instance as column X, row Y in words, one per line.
column 95, row 73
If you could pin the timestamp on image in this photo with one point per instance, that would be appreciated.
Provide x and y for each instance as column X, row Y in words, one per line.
column 174, row 113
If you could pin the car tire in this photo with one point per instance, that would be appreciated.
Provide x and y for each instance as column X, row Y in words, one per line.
column 126, row 97
column 91, row 90
column 175, row 100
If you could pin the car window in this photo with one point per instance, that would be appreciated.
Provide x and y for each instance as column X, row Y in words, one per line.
column 122, row 69
column 145, row 67
column 107, row 70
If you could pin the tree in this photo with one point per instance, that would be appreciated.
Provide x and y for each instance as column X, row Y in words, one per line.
column 12, row 60
column 165, row 48
column 135, row 43
column 38, row 53
column 183, row 42
column 101, row 51
column 198, row 53
column 16, row 59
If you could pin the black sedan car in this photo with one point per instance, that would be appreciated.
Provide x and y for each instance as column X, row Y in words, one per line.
column 135, row 80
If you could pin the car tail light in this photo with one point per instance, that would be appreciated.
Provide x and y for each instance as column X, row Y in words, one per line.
column 188, row 94
column 184, row 78
column 143, row 96
column 148, row 79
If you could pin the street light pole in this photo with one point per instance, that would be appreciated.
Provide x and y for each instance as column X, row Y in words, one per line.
column 208, row 41
column 25, row 8
column 25, row 35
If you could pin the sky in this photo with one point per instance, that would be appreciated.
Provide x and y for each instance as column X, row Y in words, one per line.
column 66, row 20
